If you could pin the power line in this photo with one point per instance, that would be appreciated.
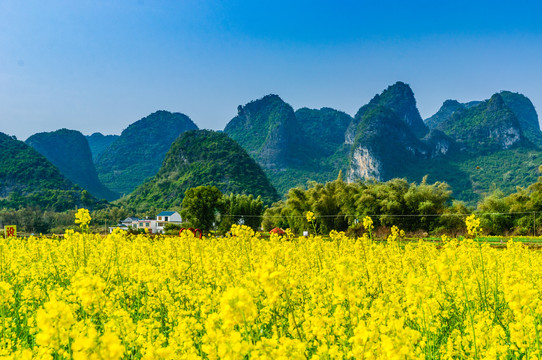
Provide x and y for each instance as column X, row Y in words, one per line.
column 385, row 215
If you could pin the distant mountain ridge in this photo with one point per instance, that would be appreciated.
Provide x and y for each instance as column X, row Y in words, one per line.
column 202, row 158
column 490, row 124
column 27, row 178
column 69, row 151
column 475, row 147
column 98, row 143
column 138, row 152
column 518, row 104
column 387, row 138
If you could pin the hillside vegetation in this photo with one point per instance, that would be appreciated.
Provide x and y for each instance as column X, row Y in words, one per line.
column 27, row 178
column 139, row 151
column 463, row 144
column 98, row 143
column 69, row 151
column 202, row 158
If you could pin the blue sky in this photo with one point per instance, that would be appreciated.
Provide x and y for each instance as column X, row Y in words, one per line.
column 101, row 65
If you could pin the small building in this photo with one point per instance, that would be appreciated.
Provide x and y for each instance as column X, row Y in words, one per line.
column 130, row 222
column 169, row 216
column 152, row 226
column 121, row 226
column 165, row 217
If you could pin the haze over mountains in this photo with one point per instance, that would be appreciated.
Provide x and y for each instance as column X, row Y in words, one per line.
column 475, row 147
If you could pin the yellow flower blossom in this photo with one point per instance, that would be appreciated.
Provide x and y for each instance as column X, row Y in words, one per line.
column 82, row 217
column 473, row 225
column 86, row 296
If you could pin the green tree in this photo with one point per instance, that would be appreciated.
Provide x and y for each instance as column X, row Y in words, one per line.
column 453, row 218
column 241, row 209
column 201, row 205
column 496, row 219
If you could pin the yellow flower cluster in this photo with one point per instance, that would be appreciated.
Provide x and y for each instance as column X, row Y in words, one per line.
column 473, row 225
column 82, row 217
column 310, row 216
column 132, row 297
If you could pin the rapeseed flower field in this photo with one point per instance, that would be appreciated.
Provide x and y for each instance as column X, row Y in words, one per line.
column 243, row 297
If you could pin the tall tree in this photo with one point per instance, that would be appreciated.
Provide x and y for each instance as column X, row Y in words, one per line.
column 201, row 205
column 241, row 209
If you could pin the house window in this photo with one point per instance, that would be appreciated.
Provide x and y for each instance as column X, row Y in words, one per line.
column 165, row 218
column 160, row 218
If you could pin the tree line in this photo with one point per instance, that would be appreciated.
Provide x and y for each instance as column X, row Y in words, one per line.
column 336, row 205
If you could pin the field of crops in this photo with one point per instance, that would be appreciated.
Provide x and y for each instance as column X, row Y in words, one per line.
column 123, row 296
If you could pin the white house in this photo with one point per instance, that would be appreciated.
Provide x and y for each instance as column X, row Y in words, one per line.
column 171, row 216
column 165, row 217
column 152, row 226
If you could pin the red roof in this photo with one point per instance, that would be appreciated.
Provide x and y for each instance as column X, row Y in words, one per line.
column 278, row 231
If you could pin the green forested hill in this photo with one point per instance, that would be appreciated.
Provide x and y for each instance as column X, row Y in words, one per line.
column 526, row 114
column 98, row 143
column 266, row 128
column 322, row 131
column 200, row 158
column 139, row 151
column 27, row 178
column 466, row 143
column 471, row 176
column 398, row 98
column 292, row 147
column 69, row 151
column 384, row 145
column 488, row 126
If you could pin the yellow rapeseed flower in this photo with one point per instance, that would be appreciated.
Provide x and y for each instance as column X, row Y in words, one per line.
column 310, row 216
column 82, row 217
column 473, row 225
column 178, row 297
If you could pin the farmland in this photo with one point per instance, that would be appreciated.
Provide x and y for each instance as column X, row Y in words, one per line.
column 122, row 296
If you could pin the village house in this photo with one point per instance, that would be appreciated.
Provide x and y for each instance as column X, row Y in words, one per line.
column 167, row 217
column 152, row 226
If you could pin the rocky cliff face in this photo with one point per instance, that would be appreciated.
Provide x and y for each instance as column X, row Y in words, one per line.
column 526, row 114
column 384, row 144
column 363, row 165
column 439, row 144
